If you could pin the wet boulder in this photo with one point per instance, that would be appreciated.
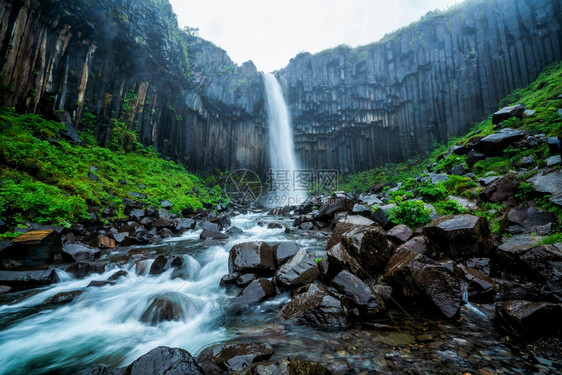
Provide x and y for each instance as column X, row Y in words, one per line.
column 381, row 215
column 183, row 224
column 339, row 259
column 360, row 296
column 370, row 246
column 416, row 244
column 545, row 262
column 336, row 203
column 80, row 252
column 501, row 190
column 293, row 366
column 170, row 306
column 508, row 112
column 257, row 291
column 163, row 263
column 245, row 279
column 526, row 319
column 63, row 297
column 252, row 257
column 417, row 277
column 549, row 183
column 530, row 291
column 300, row 270
column 28, row 279
column 527, row 219
column 494, row 144
column 481, row 288
column 316, row 307
column 229, row 358
column 459, row 237
column 165, row 361
column 213, row 235
column 337, row 233
column 84, row 268
column 400, row 233
column 35, row 249
column 284, row 251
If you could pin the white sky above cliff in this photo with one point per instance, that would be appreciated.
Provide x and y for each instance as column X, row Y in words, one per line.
column 271, row 32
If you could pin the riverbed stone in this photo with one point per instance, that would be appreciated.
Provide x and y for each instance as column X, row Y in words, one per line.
column 257, row 291
column 370, row 246
column 526, row 319
column 336, row 203
column 84, row 268
column 417, row 245
column 459, row 236
column 316, row 307
column 170, row 306
column 339, row 259
column 28, row 279
column 35, row 249
column 481, row 288
column 415, row 276
column 284, row 251
column 360, row 296
column 165, row 361
column 80, row 252
column 233, row 357
column 301, row 269
column 252, row 257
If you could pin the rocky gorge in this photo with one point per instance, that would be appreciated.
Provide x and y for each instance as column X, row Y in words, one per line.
column 352, row 108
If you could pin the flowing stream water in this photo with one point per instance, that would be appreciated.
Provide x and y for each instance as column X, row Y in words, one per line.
column 104, row 325
column 287, row 188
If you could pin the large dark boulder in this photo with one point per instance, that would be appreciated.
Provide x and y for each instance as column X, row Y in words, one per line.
column 336, row 203
column 417, row 244
column 481, row 288
column 80, row 252
column 165, row 361
column 284, row 251
column 28, row 279
column 527, row 219
column 163, row 263
column 459, row 237
column 423, row 280
column 257, row 291
column 300, row 270
column 370, row 246
column 502, row 190
column 229, row 358
column 400, row 233
column 82, row 269
column 530, row 291
column 549, row 183
column 316, row 307
column 339, row 259
column 508, row 112
column 170, row 306
column 360, row 296
column 252, row 257
column 526, row 319
column 494, row 144
column 35, row 249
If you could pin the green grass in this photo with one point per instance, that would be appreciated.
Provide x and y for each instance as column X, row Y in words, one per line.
column 540, row 96
column 44, row 178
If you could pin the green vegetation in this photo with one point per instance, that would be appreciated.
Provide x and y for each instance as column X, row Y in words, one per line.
column 47, row 180
column 542, row 96
column 553, row 238
column 414, row 214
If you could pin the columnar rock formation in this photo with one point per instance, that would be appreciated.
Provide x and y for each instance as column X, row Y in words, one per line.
column 353, row 109
column 126, row 60
column 388, row 101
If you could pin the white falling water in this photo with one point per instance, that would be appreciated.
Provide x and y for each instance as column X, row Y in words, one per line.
column 286, row 187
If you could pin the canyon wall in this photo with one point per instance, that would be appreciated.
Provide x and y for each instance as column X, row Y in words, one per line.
column 357, row 108
column 111, row 62
column 114, row 62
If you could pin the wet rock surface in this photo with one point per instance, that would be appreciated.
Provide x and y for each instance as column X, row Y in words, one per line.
column 233, row 357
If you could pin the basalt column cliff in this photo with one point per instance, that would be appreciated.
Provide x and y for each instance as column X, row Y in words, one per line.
column 126, row 61
column 110, row 62
column 356, row 108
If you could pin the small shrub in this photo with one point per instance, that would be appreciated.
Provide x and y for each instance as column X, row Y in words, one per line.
column 414, row 214
column 432, row 192
column 450, row 207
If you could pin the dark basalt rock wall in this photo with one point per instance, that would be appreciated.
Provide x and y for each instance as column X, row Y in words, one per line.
column 127, row 60
column 353, row 109
column 357, row 108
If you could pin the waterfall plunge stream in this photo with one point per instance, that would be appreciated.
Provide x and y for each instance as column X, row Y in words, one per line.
column 286, row 186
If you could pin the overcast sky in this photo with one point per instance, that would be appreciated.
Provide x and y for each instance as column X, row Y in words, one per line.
column 270, row 32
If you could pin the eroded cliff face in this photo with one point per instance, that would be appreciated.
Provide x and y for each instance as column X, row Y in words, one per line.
column 127, row 61
column 357, row 108
column 353, row 109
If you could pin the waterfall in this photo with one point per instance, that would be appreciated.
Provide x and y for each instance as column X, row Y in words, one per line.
column 287, row 182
